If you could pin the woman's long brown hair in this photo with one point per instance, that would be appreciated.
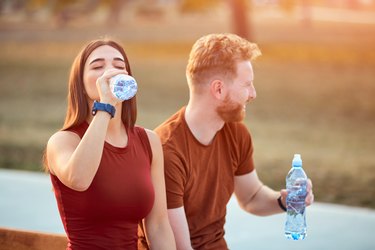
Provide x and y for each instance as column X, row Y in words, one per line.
column 78, row 108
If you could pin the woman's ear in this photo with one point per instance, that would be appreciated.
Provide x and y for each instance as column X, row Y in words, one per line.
column 216, row 88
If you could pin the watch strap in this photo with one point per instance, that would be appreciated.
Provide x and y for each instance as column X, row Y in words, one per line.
column 99, row 106
column 281, row 205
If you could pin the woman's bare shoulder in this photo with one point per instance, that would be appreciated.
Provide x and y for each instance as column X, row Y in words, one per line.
column 61, row 138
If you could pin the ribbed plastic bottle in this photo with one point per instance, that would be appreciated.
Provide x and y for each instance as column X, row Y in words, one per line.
column 124, row 87
column 296, row 185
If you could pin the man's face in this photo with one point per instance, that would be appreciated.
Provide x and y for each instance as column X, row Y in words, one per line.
column 240, row 92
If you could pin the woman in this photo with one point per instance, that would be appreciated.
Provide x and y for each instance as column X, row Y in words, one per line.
column 107, row 173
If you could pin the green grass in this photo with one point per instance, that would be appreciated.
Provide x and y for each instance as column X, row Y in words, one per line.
column 314, row 97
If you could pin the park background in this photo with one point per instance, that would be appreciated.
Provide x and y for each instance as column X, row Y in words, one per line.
column 315, row 81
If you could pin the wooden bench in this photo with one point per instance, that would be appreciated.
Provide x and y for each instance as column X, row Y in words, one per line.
column 14, row 239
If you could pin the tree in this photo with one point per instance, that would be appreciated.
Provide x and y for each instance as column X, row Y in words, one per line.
column 240, row 18
column 239, row 9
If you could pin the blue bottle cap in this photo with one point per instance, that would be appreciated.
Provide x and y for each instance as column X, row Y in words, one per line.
column 297, row 161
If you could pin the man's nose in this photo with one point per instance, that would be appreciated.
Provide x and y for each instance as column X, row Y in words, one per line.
column 252, row 93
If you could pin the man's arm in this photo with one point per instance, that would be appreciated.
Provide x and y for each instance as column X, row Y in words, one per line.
column 177, row 218
column 256, row 198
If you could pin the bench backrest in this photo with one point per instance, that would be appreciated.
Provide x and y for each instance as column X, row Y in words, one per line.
column 13, row 239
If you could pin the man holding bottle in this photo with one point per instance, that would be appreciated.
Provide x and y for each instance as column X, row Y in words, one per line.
column 208, row 151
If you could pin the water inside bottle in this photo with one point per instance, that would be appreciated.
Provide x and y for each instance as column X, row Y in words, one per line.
column 295, row 226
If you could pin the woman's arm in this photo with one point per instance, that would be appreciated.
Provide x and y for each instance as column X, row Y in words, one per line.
column 180, row 228
column 157, row 228
column 75, row 161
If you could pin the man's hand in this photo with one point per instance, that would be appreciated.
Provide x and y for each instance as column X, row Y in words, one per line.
column 309, row 197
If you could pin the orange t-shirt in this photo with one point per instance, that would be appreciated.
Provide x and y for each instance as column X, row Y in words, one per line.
column 201, row 178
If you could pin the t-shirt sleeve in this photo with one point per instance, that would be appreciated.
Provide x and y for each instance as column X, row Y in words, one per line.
column 245, row 149
column 175, row 179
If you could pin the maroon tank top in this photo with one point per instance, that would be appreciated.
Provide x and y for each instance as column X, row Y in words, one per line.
column 106, row 215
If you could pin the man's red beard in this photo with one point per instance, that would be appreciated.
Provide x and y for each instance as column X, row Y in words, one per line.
column 231, row 111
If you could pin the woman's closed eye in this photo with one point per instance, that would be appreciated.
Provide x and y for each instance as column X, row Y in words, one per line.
column 119, row 64
column 120, row 67
column 97, row 65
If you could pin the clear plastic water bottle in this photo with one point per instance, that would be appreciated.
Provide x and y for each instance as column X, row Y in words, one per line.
column 296, row 185
column 124, row 87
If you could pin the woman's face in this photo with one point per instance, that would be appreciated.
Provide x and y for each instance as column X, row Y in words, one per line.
column 101, row 59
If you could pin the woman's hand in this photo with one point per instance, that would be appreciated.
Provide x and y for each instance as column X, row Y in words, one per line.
column 102, row 84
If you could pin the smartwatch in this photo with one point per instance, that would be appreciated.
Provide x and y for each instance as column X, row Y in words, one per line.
column 103, row 107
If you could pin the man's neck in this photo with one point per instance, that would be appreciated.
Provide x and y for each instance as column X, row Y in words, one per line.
column 203, row 122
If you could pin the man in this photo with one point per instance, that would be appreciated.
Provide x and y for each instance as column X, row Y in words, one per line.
column 208, row 151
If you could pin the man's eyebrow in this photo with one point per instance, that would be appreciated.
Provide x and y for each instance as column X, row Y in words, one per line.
column 102, row 59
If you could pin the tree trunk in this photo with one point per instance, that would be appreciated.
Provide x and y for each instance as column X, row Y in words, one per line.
column 240, row 18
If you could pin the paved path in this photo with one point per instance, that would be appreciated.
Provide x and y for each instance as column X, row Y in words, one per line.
column 27, row 202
